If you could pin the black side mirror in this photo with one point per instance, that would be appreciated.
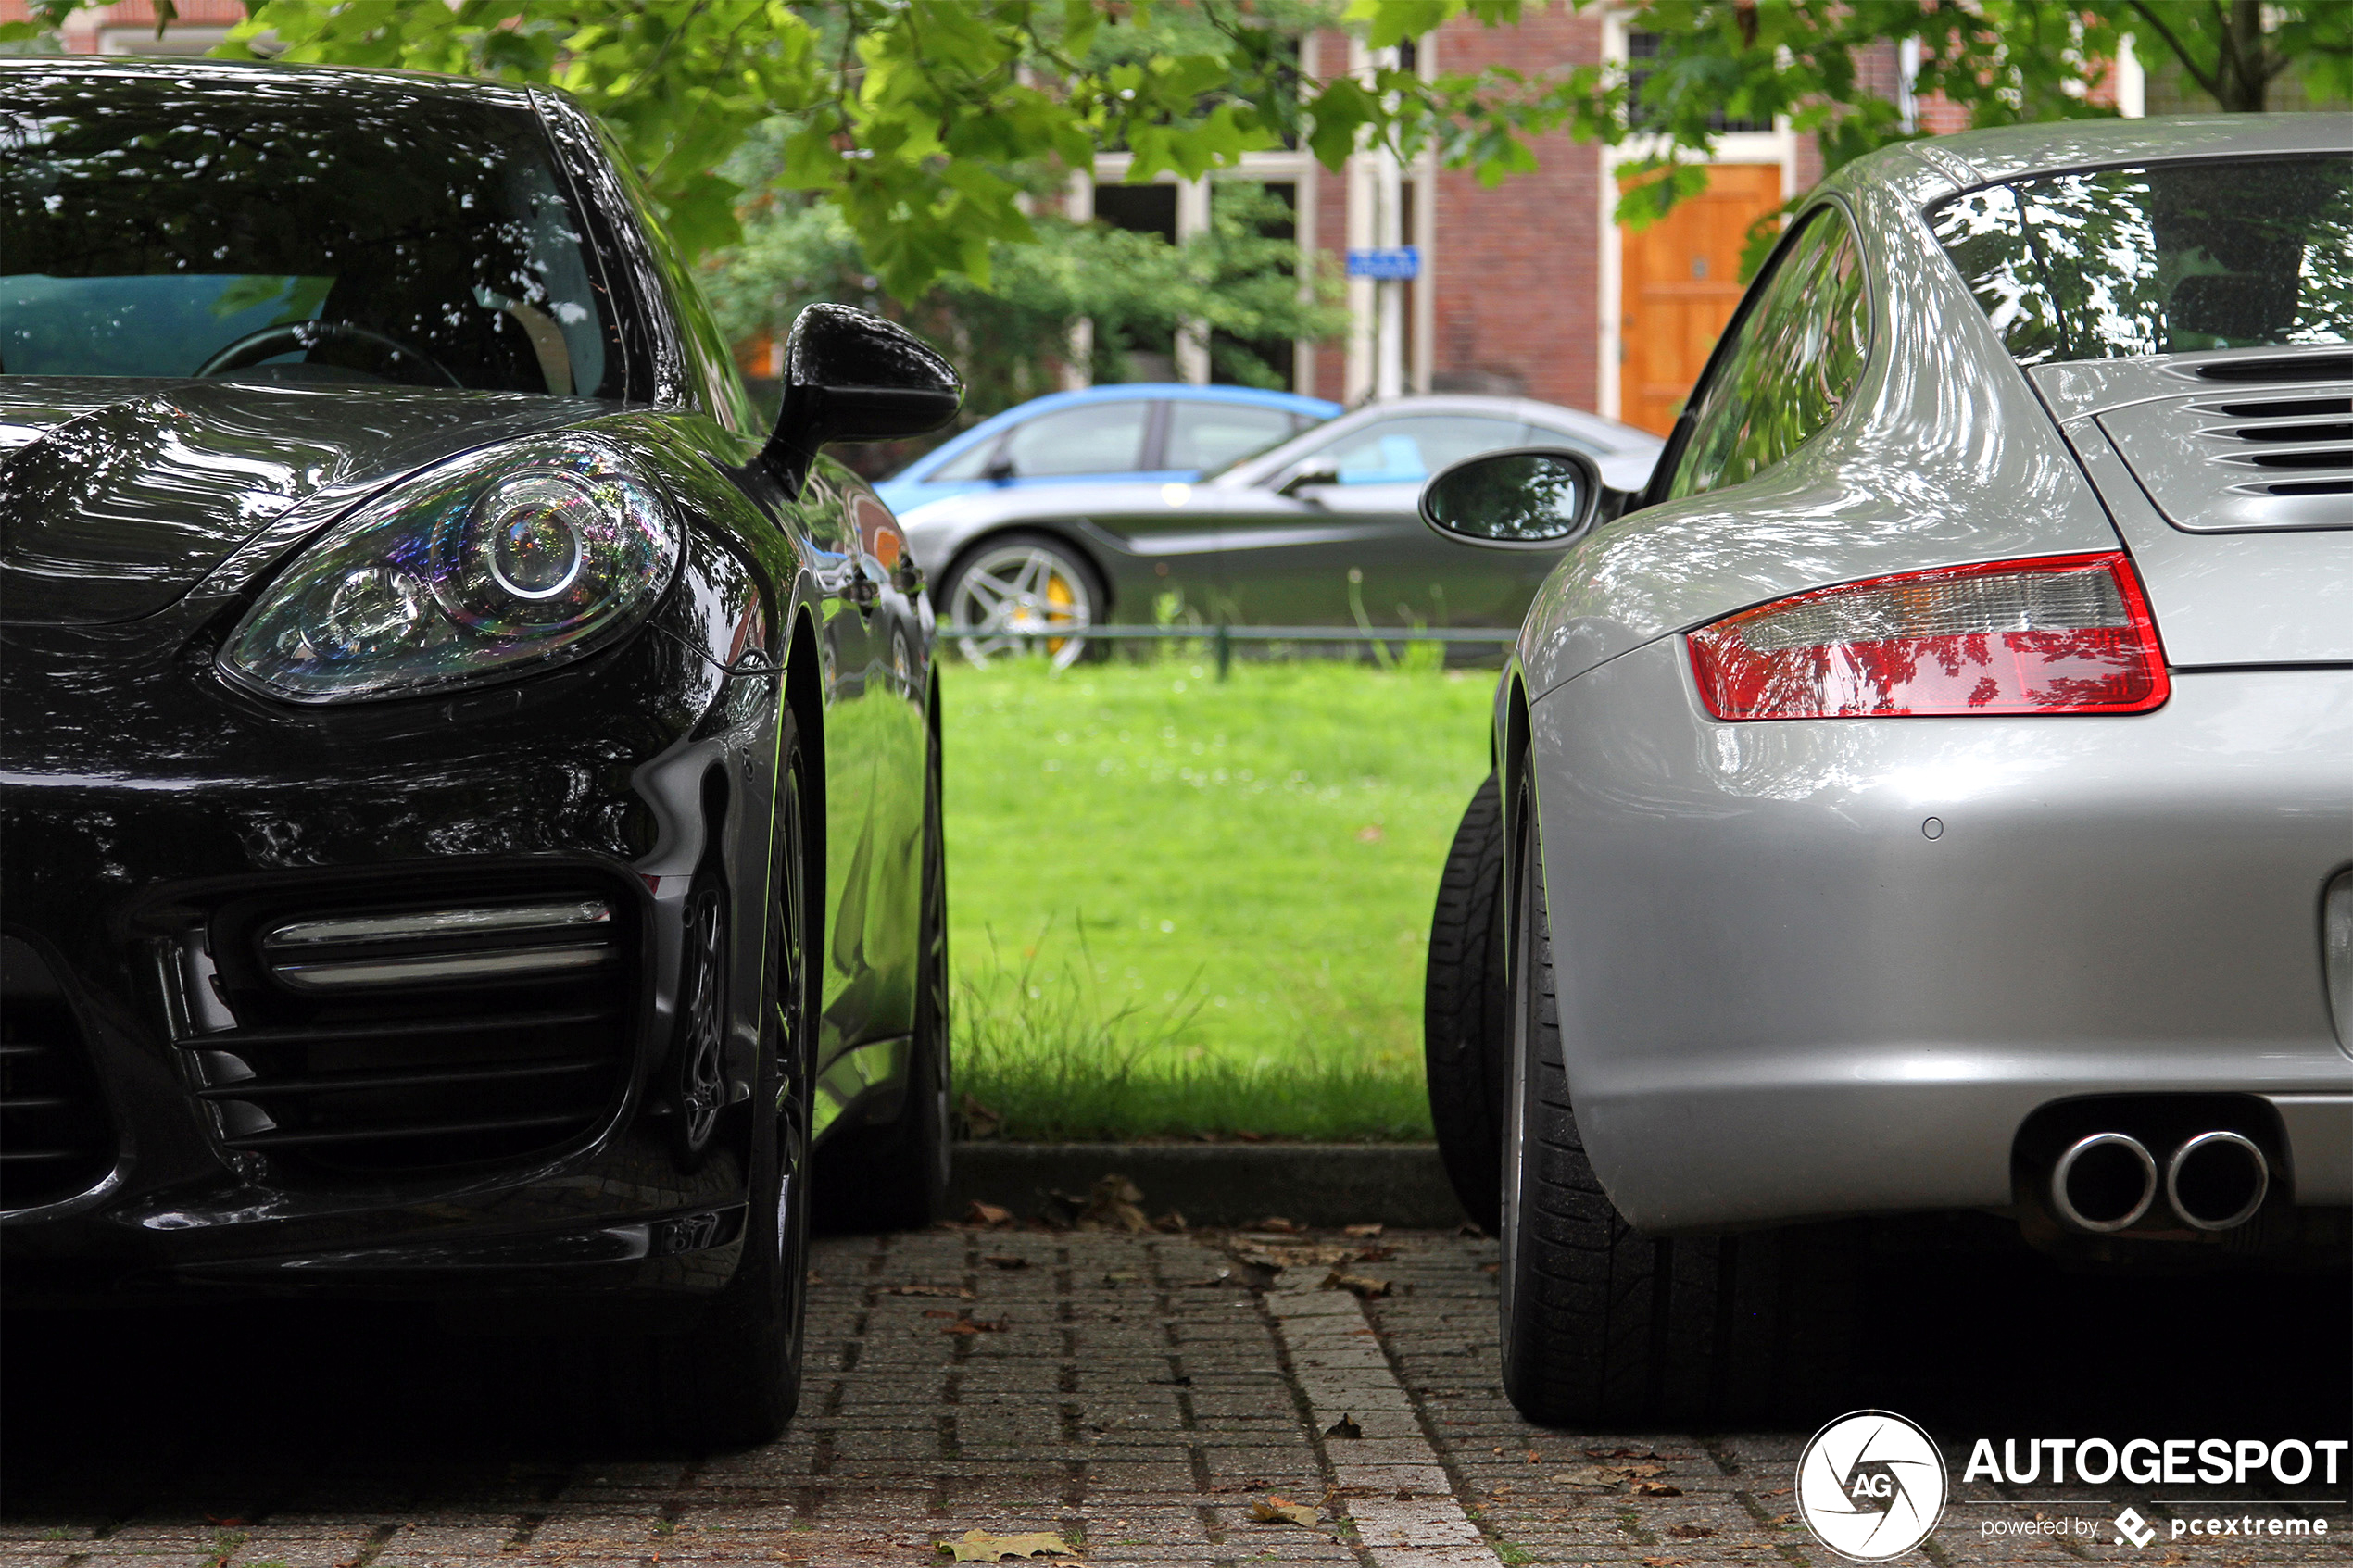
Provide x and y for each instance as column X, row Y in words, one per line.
column 1312, row 471
column 849, row 376
column 1533, row 498
column 1000, row 471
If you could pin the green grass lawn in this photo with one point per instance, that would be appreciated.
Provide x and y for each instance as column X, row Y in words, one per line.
column 1183, row 905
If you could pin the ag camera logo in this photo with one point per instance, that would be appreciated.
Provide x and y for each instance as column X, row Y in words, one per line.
column 1870, row 1486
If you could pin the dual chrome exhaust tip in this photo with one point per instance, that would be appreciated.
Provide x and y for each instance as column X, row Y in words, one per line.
column 2107, row 1182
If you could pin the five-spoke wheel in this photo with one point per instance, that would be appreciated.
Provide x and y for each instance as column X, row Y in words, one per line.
column 1018, row 594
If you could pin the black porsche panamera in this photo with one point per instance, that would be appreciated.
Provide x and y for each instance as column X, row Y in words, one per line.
column 469, row 795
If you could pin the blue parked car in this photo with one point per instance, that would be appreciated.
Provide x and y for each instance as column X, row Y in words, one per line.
column 1157, row 432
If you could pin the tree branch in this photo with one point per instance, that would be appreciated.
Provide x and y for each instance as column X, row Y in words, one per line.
column 2212, row 86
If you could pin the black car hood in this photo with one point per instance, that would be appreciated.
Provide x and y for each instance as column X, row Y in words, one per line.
column 117, row 496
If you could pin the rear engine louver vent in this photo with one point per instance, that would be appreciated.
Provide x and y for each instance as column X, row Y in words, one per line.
column 55, row 1141
column 2244, row 458
column 2296, row 446
column 407, row 1039
column 2301, row 367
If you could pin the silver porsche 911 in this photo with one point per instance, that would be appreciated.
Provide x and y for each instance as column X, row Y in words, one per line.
column 1934, row 794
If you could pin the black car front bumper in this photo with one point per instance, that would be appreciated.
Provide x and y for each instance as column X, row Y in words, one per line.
column 184, row 1113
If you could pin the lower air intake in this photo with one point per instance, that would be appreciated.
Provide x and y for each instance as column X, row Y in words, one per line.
column 55, row 1140
column 382, row 1040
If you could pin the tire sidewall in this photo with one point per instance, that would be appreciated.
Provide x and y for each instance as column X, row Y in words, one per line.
column 1523, row 889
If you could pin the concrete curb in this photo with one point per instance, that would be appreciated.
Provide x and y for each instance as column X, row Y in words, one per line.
column 1400, row 1184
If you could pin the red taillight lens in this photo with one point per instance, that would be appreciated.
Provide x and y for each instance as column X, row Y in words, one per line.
column 2060, row 634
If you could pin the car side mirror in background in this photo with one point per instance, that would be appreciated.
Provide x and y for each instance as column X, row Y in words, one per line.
column 1314, row 471
column 1533, row 498
column 849, row 376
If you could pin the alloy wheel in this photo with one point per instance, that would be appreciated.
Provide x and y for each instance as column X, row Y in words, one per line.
column 1017, row 597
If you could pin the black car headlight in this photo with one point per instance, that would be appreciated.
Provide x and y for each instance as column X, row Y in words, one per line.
column 503, row 563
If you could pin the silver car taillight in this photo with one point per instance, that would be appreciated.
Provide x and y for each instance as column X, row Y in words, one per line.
column 2056, row 634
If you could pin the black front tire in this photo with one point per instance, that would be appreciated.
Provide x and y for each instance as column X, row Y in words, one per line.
column 893, row 1175
column 1603, row 1324
column 1467, row 1037
column 733, row 1379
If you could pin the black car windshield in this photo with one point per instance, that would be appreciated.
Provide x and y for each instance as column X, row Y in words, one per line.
column 285, row 228
column 2168, row 259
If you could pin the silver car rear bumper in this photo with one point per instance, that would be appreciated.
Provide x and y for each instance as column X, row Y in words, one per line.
column 1824, row 967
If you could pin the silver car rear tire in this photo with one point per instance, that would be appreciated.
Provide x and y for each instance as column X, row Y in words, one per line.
column 1604, row 1324
column 1466, row 1009
column 1021, row 592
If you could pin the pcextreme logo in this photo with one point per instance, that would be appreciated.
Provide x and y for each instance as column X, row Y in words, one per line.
column 1870, row 1486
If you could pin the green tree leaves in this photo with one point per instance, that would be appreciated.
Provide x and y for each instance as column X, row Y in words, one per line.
column 923, row 121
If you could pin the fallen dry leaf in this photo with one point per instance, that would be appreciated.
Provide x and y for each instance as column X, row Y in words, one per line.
column 1271, row 1253
column 979, row 1120
column 1113, row 1206
column 952, row 1292
column 1631, row 1453
column 1362, row 1287
column 1173, row 1222
column 988, row 1214
column 1591, row 1476
column 1369, row 834
column 1371, row 1230
column 979, row 1546
column 1280, row 1225
column 1690, row 1532
column 1665, row 1562
column 966, row 1325
column 1656, row 1489
column 1345, row 1426
column 1275, row 1511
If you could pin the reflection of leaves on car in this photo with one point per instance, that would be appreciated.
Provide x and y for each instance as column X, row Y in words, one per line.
column 2135, row 261
column 302, row 297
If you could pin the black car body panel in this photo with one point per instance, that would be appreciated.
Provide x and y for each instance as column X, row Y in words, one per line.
column 180, row 1112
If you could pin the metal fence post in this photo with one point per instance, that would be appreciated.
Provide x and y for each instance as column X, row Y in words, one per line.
column 1225, row 650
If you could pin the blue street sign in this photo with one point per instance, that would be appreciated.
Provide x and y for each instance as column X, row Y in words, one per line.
column 1401, row 263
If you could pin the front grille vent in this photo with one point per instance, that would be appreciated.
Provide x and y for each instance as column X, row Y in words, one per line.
column 55, row 1139
column 2245, row 459
column 402, row 1039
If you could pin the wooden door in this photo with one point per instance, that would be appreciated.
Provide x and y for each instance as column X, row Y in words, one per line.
column 1682, row 277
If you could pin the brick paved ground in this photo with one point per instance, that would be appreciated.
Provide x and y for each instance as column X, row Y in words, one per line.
column 1136, row 1395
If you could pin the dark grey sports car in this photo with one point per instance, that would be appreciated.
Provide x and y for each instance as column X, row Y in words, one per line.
column 471, row 802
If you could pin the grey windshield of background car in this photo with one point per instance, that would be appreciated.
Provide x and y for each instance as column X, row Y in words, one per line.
column 1204, row 435
column 968, row 464
column 1105, row 437
column 1794, row 363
